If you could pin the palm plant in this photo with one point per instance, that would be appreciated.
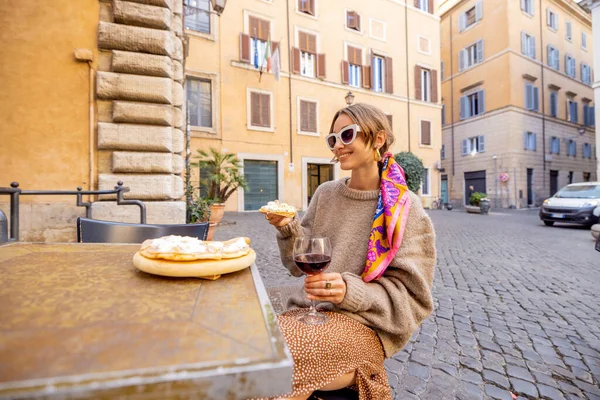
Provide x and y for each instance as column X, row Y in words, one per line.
column 221, row 172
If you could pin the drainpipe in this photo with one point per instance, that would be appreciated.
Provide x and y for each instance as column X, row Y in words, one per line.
column 407, row 79
column 87, row 56
column 289, row 49
column 452, row 95
column 543, row 98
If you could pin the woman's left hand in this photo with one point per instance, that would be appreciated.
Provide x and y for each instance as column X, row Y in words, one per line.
column 325, row 287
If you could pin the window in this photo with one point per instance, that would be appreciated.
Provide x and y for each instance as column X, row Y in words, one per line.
column 308, row 116
column 572, row 148
column 472, row 104
column 425, row 5
column 353, row 20
column 554, row 145
column 378, row 66
column 527, row 6
column 531, row 97
column 260, row 109
column 553, row 58
column 528, row 45
column 425, row 190
column 551, row 19
column 197, row 16
column 572, row 111
column 589, row 118
column 443, row 152
column 253, row 44
column 568, row 31
column 530, row 141
column 425, row 84
column 570, row 64
column 443, row 114
column 587, row 150
column 473, row 145
column 554, row 104
column 199, row 101
column 587, row 176
column 470, row 55
column 305, row 60
column 307, row 64
column 470, row 17
column 586, row 75
column 426, row 133
column 583, row 41
column 306, row 6
column 355, row 75
column 570, row 177
column 352, row 69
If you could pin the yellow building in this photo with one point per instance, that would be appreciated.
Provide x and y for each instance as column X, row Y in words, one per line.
column 385, row 52
column 518, row 110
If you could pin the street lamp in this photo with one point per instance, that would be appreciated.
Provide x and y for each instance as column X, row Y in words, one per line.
column 349, row 98
column 218, row 6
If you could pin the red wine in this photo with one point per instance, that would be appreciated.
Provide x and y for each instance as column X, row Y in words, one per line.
column 312, row 264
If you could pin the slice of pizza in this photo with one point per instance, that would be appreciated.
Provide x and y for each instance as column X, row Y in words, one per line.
column 186, row 248
column 278, row 208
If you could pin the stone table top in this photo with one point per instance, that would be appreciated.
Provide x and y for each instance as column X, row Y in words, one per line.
column 79, row 320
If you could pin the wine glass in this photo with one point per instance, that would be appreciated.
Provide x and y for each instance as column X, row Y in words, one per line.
column 312, row 256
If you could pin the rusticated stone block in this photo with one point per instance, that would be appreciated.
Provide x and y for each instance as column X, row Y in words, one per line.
column 178, row 141
column 178, row 118
column 177, row 7
column 144, row 187
column 134, row 137
column 177, row 97
column 177, row 24
column 178, row 164
column 142, row 113
column 159, row 3
column 134, row 87
column 138, row 162
column 157, row 212
column 177, row 71
column 133, row 38
column 177, row 53
column 141, row 64
column 147, row 16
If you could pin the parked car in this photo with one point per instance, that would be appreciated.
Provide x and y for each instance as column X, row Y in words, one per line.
column 577, row 203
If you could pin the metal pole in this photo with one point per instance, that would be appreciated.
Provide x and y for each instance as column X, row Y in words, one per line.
column 495, row 181
column 14, row 212
column 516, row 194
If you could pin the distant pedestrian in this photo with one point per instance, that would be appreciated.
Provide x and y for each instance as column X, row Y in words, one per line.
column 377, row 288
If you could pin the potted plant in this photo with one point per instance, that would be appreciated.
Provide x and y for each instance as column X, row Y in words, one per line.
column 475, row 203
column 198, row 209
column 220, row 174
column 413, row 169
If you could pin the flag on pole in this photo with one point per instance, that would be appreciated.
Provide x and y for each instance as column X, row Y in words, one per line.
column 275, row 64
column 255, row 52
column 267, row 59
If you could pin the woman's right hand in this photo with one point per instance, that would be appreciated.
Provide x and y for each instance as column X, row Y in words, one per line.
column 278, row 221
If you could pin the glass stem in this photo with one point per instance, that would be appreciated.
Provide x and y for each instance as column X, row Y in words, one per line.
column 313, row 308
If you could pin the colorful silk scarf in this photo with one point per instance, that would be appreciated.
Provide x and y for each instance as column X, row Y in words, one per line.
column 389, row 221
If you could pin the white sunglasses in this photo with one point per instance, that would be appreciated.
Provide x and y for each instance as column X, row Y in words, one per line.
column 346, row 135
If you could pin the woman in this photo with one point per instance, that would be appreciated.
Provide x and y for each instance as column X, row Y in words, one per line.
column 377, row 287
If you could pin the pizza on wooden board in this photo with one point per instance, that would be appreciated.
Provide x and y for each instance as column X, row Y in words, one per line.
column 278, row 208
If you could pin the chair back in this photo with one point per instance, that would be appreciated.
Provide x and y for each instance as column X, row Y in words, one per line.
column 97, row 231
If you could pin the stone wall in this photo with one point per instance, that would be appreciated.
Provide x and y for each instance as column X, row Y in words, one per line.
column 139, row 90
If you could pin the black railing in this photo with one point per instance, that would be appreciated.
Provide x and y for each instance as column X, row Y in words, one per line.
column 15, row 192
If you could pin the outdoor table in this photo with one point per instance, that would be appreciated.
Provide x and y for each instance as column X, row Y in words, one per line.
column 80, row 321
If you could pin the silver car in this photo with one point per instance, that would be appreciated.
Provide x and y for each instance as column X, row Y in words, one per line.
column 577, row 203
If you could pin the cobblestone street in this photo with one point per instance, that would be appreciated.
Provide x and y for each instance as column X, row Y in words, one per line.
column 517, row 308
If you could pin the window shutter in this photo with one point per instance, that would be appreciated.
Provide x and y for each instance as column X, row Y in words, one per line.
column 462, row 107
column 312, row 43
column 265, row 110
column 366, row 77
column 528, row 96
column 575, row 112
column 569, row 30
column 481, row 144
column 295, row 60
column 549, row 55
column 417, row 3
column 462, row 22
column 274, row 46
column 535, row 142
column 312, row 116
column 479, row 10
column 523, row 5
column 461, row 60
column 536, row 99
column 592, row 116
column 553, row 104
column 418, row 94
column 465, row 147
column 430, row 8
column 302, row 5
column 321, row 66
column 389, row 76
column 532, row 6
column 548, row 22
column 434, row 86
column 523, row 43
column 350, row 19
column 244, row 48
column 585, row 114
column 567, row 64
column 345, row 72
column 311, row 7
column 526, row 140
column 254, row 27
column 357, row 21
column 304, row 116
column 532, row 47
column 426, row 133
column 481, row 98
column 568, row 110
column 265, row 28
column 479, row 50
column 255, row 109
column 390, row 119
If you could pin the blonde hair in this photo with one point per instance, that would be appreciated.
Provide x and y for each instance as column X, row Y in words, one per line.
column 371, row 121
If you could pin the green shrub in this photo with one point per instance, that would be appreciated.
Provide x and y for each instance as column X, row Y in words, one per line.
column 476, row 197
column 413, row 169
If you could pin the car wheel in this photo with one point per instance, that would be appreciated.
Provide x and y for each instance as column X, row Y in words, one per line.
column 548, row 223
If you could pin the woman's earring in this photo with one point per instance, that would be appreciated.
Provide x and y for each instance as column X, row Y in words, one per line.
column 377, row 155
column 334, row 160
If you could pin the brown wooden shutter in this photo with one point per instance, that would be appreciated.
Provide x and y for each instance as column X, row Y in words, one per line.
column 312, row 117
column 302, row 6
column 312, row 43
column 357, row 16
column 274, row 46
column 311, row 7
column 304, row 116
column 244, row 48
column 417, row 3
column 265, row 110
column 426, row 133
column 321, row 66
column 255, row 109
column 295, row 60
column 349, row 19
column 345, row 72
column 434, row 86
column 366, row 77
column 265, row 27
column 391, row 121
column 418, row 94
column 430, row 6
column 254, row 27
column 358, row 56
column 303, row 41
column 389, row 76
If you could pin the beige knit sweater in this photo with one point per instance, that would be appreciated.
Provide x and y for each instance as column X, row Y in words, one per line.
column 395, row 304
